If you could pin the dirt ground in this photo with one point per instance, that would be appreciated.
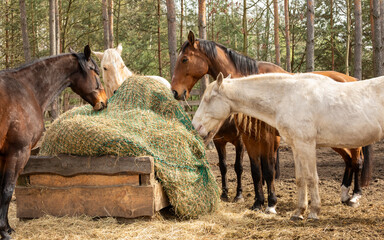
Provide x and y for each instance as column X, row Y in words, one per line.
column 235, row 220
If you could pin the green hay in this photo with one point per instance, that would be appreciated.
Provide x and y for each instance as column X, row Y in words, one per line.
column 142, row 118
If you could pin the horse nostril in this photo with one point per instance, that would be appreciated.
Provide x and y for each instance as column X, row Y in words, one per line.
column 175, row 95
column 185, row 94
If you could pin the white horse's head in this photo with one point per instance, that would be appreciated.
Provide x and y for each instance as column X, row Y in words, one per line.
column 214, row 108
column 113, row 69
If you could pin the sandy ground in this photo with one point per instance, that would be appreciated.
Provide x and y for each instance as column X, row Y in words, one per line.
column 235, row 220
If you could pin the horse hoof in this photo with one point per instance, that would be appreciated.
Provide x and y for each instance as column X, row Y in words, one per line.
column 270, row 210
column 238, row 199
column 313, row 217
column 256, row 207
column 297, row 218
column 224, row 198
column 353, row 204
column 5, row 235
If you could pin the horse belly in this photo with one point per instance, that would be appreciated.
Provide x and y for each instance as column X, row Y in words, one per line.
column 349, row 137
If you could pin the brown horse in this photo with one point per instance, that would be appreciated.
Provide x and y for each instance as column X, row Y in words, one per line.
column 24, row 95
column 199, row 57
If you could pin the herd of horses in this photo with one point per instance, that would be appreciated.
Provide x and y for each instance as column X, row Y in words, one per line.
column 28, row 90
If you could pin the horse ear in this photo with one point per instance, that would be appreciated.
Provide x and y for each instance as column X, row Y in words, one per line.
column 71, row 50
column 119, row 48
column 191, row 38
column 219, row 79
column 99, row 55
column 87, row 52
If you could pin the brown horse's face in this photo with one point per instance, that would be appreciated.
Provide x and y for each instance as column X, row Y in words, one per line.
column 87, row 83
column 191, row 65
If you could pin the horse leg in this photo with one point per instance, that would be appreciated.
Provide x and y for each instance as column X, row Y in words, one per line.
column 357, row 163
column 221, row 151
column 268, row 168
column 253, row 146
column 239, row 169
column 304, row 153
column 348, row 173
column 12, row 164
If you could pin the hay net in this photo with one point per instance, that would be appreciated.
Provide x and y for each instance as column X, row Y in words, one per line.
column 142, row 118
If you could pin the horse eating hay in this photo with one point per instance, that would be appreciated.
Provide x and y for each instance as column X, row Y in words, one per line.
column 199, row 57
column 115, row 72
column 24, row 95
column 308, row 110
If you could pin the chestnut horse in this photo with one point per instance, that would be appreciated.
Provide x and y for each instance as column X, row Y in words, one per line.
column 309, row 110
column 24, row 95
column 199, row 57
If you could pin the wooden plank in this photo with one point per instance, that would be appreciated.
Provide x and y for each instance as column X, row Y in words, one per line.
column 67, row 165
column 49, row 180
column 161, row 199
column 117, row 201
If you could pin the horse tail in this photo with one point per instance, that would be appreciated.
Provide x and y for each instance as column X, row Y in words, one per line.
column 366, row 171
column 277, row 165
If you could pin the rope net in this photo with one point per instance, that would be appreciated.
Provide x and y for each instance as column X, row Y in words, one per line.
column 142, row 119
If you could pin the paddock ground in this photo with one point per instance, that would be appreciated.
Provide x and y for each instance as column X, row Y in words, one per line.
column 235, row 220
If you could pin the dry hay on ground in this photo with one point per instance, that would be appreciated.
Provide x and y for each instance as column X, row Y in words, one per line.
column 235, row 220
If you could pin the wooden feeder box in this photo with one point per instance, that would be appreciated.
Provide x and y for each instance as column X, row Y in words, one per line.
column 107, row 186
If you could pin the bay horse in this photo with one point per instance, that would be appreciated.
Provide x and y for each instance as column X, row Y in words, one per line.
column 114, row 70
column 308, row 110
column 199, row 57
column 25, row 93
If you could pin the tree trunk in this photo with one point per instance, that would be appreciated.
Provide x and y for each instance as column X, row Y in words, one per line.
column 310, row 36
column 57, row 22
column 358, row 41
column 245, row 28
column 348, row 43
column 117, row 22
column 181, row 21
column 24, row 31
column 110, row 23
column 266, row 39
column 52, row 27
column 378, row 71
column 203, row 35
column 158, row 37
column 382, row 32
column 6, row 50
column 276, row 31
column 53, row 112
column 332, row 37
column 105, row 23
column 287, row 36
column 172, row 44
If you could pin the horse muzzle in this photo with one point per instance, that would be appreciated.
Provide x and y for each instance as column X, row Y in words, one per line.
column 181, row 96
column 100, row 105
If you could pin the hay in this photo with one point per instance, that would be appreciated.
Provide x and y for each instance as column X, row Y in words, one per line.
column 142, row 118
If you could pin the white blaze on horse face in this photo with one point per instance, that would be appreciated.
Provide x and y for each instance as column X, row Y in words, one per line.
column 213, row 110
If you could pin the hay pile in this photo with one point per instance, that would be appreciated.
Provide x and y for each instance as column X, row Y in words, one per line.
column 142, row 118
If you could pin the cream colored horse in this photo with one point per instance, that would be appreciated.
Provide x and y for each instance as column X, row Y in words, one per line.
column 308, row 110
column 114, row 70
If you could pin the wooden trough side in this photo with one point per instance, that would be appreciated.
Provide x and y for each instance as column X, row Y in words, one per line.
column 67, row 185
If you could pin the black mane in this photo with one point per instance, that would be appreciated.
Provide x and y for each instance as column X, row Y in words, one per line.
column 244, row 64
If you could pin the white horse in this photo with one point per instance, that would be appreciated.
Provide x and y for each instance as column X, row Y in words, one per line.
column 308, row 110
column 114, row 70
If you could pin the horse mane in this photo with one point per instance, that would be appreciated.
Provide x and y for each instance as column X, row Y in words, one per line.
column 244, row 64
column 79, row 56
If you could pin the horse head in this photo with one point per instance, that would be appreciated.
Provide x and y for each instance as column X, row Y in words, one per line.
column 86, row 82
column 113, row 68
column 191, row 65
column 212, row 111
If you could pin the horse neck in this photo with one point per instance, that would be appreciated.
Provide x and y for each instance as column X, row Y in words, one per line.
column 256, row 98
column 127, row 73
column 222, row 64
column 49, row 77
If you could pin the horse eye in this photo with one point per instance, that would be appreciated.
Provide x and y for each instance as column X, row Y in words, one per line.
column 184, row 60
column 105, row 68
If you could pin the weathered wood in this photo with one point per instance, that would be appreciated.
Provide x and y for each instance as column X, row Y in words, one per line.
column 67, row 165
column 118, row 201
column 49, row 180
column 160, row 198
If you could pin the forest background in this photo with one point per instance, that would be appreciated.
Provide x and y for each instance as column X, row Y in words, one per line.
column 340, row 35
